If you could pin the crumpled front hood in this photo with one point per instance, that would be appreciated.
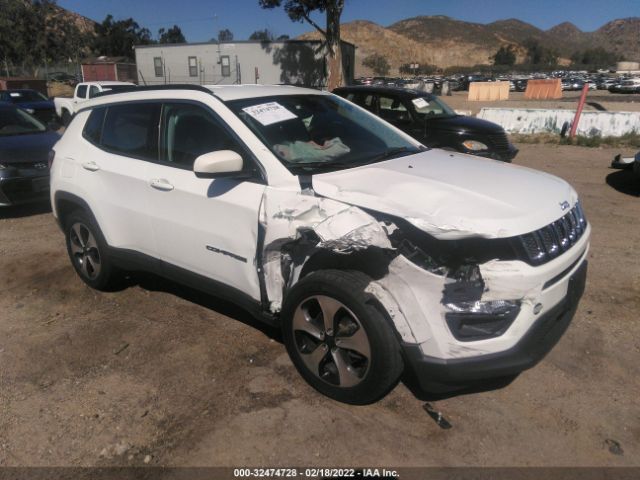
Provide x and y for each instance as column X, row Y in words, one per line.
column 452, row 195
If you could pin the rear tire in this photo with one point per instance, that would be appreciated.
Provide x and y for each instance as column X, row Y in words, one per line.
column 341, row 344
column 88, row 252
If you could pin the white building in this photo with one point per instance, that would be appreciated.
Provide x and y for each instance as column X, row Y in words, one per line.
column 298, row 62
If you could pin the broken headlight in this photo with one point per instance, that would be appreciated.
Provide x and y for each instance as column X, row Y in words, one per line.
column 493, row 307
column 478, row 320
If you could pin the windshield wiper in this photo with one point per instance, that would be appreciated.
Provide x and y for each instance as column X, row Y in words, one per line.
column 392, row 153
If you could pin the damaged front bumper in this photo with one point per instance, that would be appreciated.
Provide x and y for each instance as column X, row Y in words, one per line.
column 538, row 340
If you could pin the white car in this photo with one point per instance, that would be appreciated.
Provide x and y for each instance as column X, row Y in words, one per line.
column 67, row 107
column 374, row 254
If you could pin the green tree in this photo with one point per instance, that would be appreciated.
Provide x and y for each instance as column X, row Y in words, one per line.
column 172, row 35
column 301, row 11
column 540, row 55
column 262, row 35
column 117, row 38
column 225, row 35
column 378, row 63
column 35, row 32
column 506, row 55
column 597, row 57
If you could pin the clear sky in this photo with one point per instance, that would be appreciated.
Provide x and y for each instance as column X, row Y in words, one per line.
column 200, row 20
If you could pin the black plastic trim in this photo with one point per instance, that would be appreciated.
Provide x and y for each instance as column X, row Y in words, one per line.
column 135, row 261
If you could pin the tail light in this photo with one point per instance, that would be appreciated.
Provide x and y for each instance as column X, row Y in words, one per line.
column 52, row 155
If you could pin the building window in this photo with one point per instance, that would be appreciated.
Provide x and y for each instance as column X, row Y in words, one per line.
column 157, row 66
column 226, row 66
column 193, row 67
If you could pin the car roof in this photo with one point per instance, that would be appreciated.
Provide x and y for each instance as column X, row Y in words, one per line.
column 409, row 92
column 238, row 92
column 20, row 90
column 222, row 92
column 106, row 83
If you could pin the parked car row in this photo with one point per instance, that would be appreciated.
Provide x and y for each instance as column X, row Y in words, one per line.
column 570, row 81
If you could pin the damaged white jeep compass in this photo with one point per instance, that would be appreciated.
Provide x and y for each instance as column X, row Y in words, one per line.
column 374, row 255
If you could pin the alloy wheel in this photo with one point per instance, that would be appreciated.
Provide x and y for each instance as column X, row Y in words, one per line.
column 84, row 250
column 331, row 341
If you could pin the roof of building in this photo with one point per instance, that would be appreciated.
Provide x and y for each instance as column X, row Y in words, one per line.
column 163, row 45
column 103, row 59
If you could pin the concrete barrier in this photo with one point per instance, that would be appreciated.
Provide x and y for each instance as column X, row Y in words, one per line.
column 534, row 120
column 543, row 89
column 488, row 91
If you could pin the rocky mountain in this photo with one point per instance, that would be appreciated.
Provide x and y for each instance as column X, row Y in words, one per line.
column 447, row 42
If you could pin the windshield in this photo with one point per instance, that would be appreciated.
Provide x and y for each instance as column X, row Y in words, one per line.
column 319, row 133
column 14, row 121
column 25, row 96
column 431, row 107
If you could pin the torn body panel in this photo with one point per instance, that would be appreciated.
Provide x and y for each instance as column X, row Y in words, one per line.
column 297, row 225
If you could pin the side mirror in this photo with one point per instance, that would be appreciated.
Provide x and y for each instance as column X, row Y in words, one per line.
column 222, row 163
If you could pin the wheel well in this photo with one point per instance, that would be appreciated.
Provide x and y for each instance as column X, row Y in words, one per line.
column 65, row 204
column 372, row 261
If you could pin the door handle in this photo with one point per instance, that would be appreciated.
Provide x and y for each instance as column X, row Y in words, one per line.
column 91, row 166
column 161, row 184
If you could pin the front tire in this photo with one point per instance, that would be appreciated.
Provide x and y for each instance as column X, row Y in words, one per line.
column 341, row 344
column 88, row 252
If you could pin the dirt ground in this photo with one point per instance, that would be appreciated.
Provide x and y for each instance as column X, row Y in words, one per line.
column 157, row 373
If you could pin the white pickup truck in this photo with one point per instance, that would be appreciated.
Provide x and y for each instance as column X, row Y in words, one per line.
column 67, row 107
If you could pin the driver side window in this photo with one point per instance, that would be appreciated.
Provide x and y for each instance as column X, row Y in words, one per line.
column 189, row 131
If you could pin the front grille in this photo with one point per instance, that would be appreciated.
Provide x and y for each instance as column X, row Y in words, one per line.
column 556, row 238
column 500, row 141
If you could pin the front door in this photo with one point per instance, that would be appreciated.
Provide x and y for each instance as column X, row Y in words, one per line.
column 205, row 226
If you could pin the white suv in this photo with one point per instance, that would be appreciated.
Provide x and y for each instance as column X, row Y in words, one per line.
column 375, row 255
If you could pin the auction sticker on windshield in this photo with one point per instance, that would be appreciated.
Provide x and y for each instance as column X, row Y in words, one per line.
column 420, row 102
column 269, row 113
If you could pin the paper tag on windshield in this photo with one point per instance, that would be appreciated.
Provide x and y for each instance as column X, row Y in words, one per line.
column 269, row 113
column 14, row 94
column 420, row 102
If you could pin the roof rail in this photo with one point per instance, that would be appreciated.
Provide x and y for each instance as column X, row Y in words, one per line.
column 146, row 88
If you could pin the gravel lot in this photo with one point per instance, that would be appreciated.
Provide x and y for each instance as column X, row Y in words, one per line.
column 160, row 374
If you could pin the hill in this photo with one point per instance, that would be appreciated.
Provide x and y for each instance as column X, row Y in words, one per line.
column 446, row 42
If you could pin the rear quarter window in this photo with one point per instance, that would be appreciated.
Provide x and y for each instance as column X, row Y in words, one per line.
column 93, row 128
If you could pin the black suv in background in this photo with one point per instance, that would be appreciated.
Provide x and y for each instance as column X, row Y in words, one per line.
column 431, row 121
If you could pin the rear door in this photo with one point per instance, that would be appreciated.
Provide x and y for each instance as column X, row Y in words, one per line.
column 122, row 140
column 204, row 226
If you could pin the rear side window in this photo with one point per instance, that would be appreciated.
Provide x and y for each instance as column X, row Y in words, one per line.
column 93, row 128
column 132, row 130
